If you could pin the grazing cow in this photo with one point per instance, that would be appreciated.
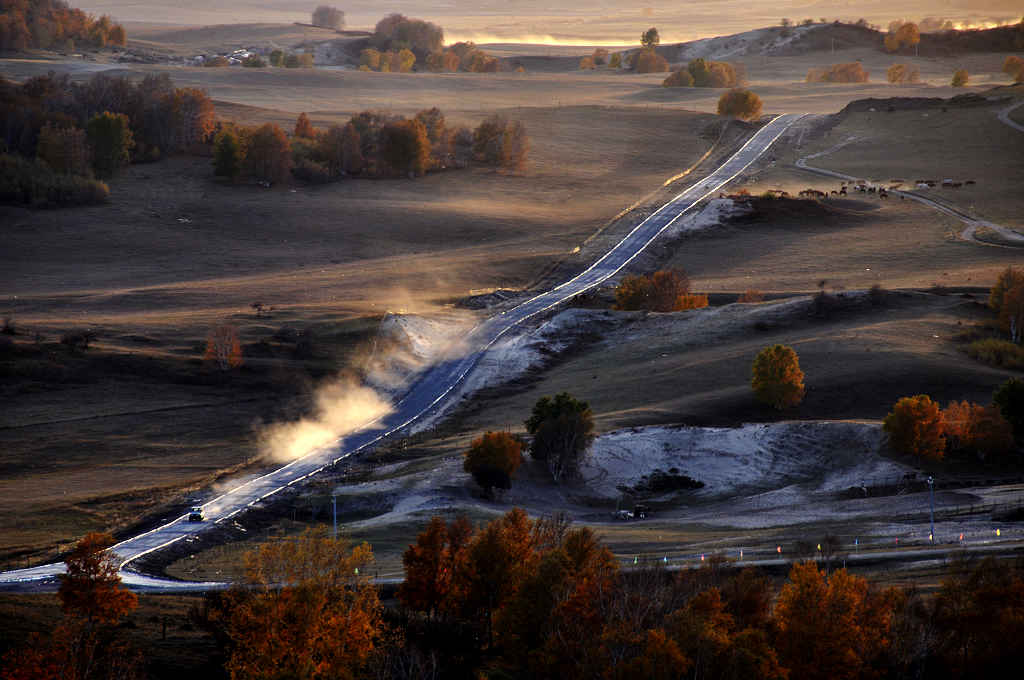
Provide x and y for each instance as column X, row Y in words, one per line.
column 883, row 194
column 842, row 192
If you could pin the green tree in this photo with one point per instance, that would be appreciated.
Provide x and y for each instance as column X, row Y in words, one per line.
column 110, row 137
column 650, row 38
column 227, row 155
column 563, row 430
column 776, row 377
column 1009, row 398
column 492, row 460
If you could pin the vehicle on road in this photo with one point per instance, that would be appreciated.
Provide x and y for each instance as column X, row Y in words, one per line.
column 195, row 514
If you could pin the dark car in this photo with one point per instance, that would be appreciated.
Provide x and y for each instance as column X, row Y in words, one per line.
column 195, row 514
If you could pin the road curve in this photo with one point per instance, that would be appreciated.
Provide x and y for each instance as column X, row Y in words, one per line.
column 432, row 388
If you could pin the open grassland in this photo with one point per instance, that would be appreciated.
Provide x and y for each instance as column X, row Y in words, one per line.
column 94, row 446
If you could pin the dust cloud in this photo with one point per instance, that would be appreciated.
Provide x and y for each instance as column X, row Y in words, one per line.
column 341, row 408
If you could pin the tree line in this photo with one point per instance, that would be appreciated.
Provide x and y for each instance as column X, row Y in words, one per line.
column 52, row 24
column 370, row 144
column 57, row 136
column 539, row 598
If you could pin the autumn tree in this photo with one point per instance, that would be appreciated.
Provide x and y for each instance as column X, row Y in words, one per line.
column 1011, row 313
column 851, row 72
column 227, row 155
column 739, row 103
column 902, row 73
column 902, row 35
column 915, row 427
column 64, row 149
column 1008, row 278
column 647, row 60
column 666, row 290
column 431, row 566
column 310, row 610
column 650, row 38
column 587, row 63
column 492, row 460
column 223, row 347
column 111, row 141
column 615, row 61
column 750, row 295
column 600, row 56
column 501, row 142
column 1009, row 399
column 268, row 154
column 776, row 377
column 960, row 78
column 562, row 428
column 976, row 429
column 304, row 127
column 707, row 73
column 85, row 645
column 434, row 123
column 421, row 37
column 835, row 629
column 326, row 16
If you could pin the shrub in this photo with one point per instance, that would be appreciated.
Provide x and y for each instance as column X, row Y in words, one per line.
column 615, row 61
column 587, row 63
column 370, row 58
column 666, row 290
column 563, row 429
column 35, row 184
column 712, row 73
column 751, row 295
column 852, row 72
column 254, row 61
column 1009, row 399
column 404, row 147
column 742, row 104
column 501, row 142
column 649, row 61
column 902, row 73
column 960, row 78
column 600, row 56
column 217, row 62
column 276, row 58
column 311, row 171
column 997, row 352
column 1014, row 67
column 776, row 377
column 326, row 16
column 915, row 427
column 110, row 137
column 492, row 459
column 304, row 128
column 680, row 78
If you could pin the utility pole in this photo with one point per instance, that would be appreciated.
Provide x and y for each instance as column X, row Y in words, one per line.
column 334, row 506
column 931, row 498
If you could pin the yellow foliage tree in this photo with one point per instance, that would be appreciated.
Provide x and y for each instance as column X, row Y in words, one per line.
column 777, row 379
column 915, row 427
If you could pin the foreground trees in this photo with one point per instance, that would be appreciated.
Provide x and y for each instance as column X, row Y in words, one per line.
column 776, row 377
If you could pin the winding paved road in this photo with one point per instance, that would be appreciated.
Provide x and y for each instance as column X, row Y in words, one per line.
column 431, row 390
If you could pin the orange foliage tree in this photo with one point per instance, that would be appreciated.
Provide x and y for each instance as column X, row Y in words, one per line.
column 431, row 565
column 835, row 629
column 268, row 154
column 1013, row 66
column 960, row 78
column 739, row 103
column 776, row 377
column 310, row 610
column 902, row 35
column 223, row 347
column 492, row 459
column 1008, row 278
column 977, row 429
column 666, row 290
column 915, row 427
column 751, row 295
column 304, row 127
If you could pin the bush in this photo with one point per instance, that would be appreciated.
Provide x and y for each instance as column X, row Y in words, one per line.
column 776, row 377
column 712, row 73
column 666, row 290
column 680, row 78
column 742, row 104
column 960, row 78
column 276, row 58
column 751, row 295
column 852, row 72
column 492, row 460
column 404, row 147
column 217, row 62
column 563, row 430
column 35, row 184
column 498, row 141
column 915, row 427
column 902, row 73
column 304, row 127
column 615, row 61
column 997, row 352
column 600, row 56
column 649, row 61
column 268, row 154
column 1014, row 67
column 587, row 63
column 311, row 171
column 254, row 61
column 1009, row 399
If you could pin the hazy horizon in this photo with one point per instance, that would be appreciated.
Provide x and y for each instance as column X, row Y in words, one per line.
column 590, row 23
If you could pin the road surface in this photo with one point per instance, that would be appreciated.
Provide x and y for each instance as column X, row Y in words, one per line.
column 431, row 390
